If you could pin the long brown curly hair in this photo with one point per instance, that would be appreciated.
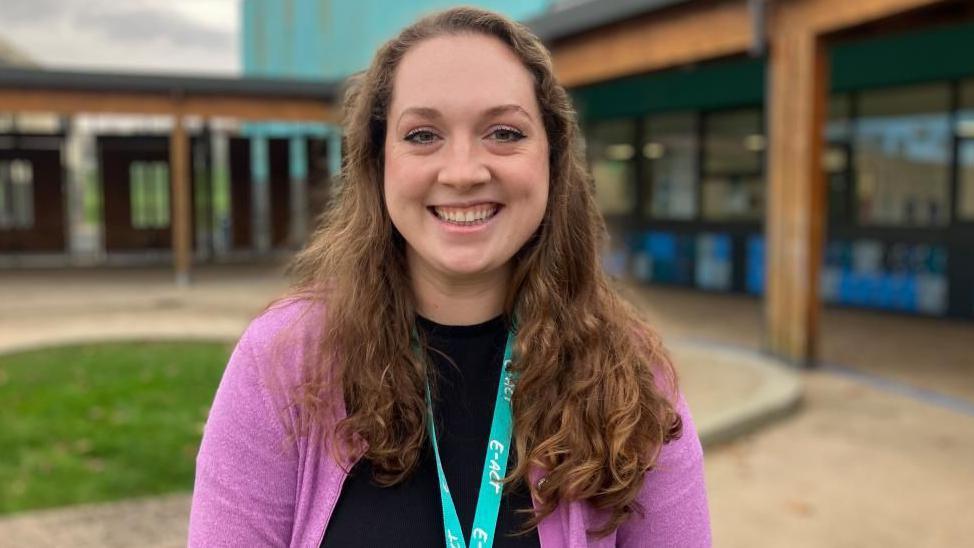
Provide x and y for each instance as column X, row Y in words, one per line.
column 593, row 403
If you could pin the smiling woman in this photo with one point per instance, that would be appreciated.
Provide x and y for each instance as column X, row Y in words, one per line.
column 466, row 172
column 453, row 366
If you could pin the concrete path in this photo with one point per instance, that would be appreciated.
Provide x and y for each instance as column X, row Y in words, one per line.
column 157, row 522
column 857, row 467
column 851, row 444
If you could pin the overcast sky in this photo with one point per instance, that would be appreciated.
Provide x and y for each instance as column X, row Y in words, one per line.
column 199, row 36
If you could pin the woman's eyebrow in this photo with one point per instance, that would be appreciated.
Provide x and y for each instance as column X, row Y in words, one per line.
column 504, row 109
column 434, row 114
column 422, row 112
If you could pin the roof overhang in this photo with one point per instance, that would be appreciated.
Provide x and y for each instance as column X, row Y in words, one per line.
column 71, row 92
column 582, row 17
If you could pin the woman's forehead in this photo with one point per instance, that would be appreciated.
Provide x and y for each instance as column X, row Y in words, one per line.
column 462, row 74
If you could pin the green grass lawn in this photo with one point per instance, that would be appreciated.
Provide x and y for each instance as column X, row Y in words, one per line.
column 102, row 422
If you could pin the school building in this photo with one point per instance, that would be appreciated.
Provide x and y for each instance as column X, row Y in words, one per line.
column 801, row 151
column 804, row 151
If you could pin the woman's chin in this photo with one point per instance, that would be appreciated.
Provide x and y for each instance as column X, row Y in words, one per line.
column 472, row 268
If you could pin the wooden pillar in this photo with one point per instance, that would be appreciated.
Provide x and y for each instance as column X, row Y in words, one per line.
column 181, row 222
column 797, row 97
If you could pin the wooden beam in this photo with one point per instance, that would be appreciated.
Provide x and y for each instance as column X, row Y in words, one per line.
column 262, row 108
column 798, row 75
column 245, row 108
column 701, row 31
column 181, row 222
column 826, row 16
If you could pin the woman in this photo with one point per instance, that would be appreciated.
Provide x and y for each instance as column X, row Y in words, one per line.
column 451, row 325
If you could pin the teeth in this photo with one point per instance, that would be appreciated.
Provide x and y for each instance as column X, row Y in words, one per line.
column 466, row 215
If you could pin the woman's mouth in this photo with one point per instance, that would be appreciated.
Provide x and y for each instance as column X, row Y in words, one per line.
column 466, row 216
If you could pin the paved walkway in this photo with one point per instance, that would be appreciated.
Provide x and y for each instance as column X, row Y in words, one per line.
column 932, row 354
column 805, row 474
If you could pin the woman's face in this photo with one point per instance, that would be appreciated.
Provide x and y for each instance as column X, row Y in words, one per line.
column 466, row 156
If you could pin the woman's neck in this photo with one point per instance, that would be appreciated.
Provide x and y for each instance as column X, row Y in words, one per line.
column 458, row 300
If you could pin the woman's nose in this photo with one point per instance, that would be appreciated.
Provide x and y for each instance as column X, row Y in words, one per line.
column 463, row 166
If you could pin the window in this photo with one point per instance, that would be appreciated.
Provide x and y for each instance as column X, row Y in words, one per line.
column 838, row 126
column 733, row 165
column 149, row 194
column 902, row 145
column 836, row 158
column 733, row 142
column 965, row 157
column 733, row 198
column 612, row 154
column 670, row 148
column 16, row 194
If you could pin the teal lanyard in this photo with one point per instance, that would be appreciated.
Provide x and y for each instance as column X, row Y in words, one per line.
column 495, row 465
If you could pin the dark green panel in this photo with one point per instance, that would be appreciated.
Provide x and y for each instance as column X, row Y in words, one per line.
column 940, row 53
column 713, row 85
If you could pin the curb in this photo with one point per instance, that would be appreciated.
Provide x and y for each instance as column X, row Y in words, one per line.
column 778, row 395
column 110, row 338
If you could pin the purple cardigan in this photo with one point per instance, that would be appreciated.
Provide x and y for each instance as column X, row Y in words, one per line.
column 256, row 486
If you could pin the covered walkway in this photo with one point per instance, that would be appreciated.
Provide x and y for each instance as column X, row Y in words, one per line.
column 147, row 182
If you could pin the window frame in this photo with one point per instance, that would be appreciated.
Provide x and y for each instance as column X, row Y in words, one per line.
column 705, row 176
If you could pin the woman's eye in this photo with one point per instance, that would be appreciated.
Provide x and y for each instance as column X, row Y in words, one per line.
column 421, row 137
column 506, row 135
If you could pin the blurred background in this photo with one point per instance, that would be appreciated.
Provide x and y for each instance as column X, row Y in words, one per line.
column 788, row 185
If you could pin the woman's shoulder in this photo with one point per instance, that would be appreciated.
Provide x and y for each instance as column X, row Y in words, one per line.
column 284, row 336
column 298, row 318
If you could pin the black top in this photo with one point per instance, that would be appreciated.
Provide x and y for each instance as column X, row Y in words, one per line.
column 409, row 513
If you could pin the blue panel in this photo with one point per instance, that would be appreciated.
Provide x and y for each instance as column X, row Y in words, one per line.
column 714, row 268
column 872, row 287
column 903, row 292
column 661, row 245
column 755, row 264
column 722, row 247
column 851, row 290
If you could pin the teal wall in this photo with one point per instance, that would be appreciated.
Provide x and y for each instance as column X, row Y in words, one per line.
column 330, row 39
